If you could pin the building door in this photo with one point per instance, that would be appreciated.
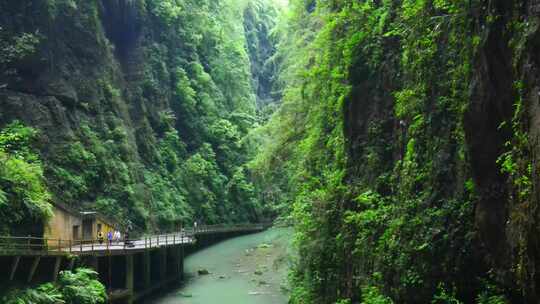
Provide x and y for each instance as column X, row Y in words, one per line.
column 87, row 230
column 76, row 232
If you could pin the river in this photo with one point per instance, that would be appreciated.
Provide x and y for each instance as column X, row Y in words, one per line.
column 249, row 269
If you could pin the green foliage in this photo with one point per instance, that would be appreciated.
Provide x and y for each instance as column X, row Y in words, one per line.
column 205, row 185
column 517, row 164
column 16, row 48
column 491, row 294
column 443, row 296
column 365, row 147
column 372, row 295
column 15, row 139
column 44, row 294
column 169, row 11
column 98, row 169
column 199, row 142
column 260, row 21
column 79, row 287
column 24, row 197
column 141, row 117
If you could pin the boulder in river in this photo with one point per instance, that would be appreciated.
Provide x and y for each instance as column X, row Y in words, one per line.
column 203, row 271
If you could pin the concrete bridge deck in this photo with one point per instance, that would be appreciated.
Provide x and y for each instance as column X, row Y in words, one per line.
column 130, row 271
column 33, row 246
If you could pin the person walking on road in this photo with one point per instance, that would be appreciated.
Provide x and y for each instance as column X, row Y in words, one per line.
column 110, row 237
column 117, row 236
column 127, row 241
column 100, row 237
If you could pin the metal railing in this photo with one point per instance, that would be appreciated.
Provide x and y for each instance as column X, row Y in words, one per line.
column 35, row 245
column 226, row 228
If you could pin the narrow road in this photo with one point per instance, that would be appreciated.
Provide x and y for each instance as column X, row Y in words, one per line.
column 11, row 246
column 154, row 241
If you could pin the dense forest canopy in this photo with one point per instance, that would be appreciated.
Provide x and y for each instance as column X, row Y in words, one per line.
column 398, row 137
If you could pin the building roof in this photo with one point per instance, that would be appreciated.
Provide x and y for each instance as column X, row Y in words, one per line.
column 101, row 217
column 86, row 214
column 65, row 207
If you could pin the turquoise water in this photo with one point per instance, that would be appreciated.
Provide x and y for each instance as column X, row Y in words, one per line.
column 244, row 270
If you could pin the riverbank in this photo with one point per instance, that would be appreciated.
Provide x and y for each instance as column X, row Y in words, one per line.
column 244, row 270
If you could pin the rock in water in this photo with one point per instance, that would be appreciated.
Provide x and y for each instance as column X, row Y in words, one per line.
column 203, row 271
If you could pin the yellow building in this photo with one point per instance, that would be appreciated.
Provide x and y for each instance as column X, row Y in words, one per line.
column 68, row 225
column 93, row 223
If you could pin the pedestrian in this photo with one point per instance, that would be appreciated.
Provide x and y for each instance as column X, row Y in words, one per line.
column 110, row 237
column 100, row 237
column 195, row 226
column 127, row 242
column 117, row 236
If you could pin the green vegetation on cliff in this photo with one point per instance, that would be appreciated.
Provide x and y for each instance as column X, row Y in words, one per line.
column 142, row 107
column 402, row 147
column 24, row 197
column 391, row 152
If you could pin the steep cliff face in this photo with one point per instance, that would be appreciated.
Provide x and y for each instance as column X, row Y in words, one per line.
column 502, row 135
column 491, row 104
column 409, row 213
column 141, row 105
column 524, row 215
column 260, row 19
column 412, row 156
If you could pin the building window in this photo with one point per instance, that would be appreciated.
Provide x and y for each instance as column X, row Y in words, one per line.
column 98, row 227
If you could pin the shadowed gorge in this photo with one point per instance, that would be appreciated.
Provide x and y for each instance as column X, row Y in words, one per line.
column 397, row 137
